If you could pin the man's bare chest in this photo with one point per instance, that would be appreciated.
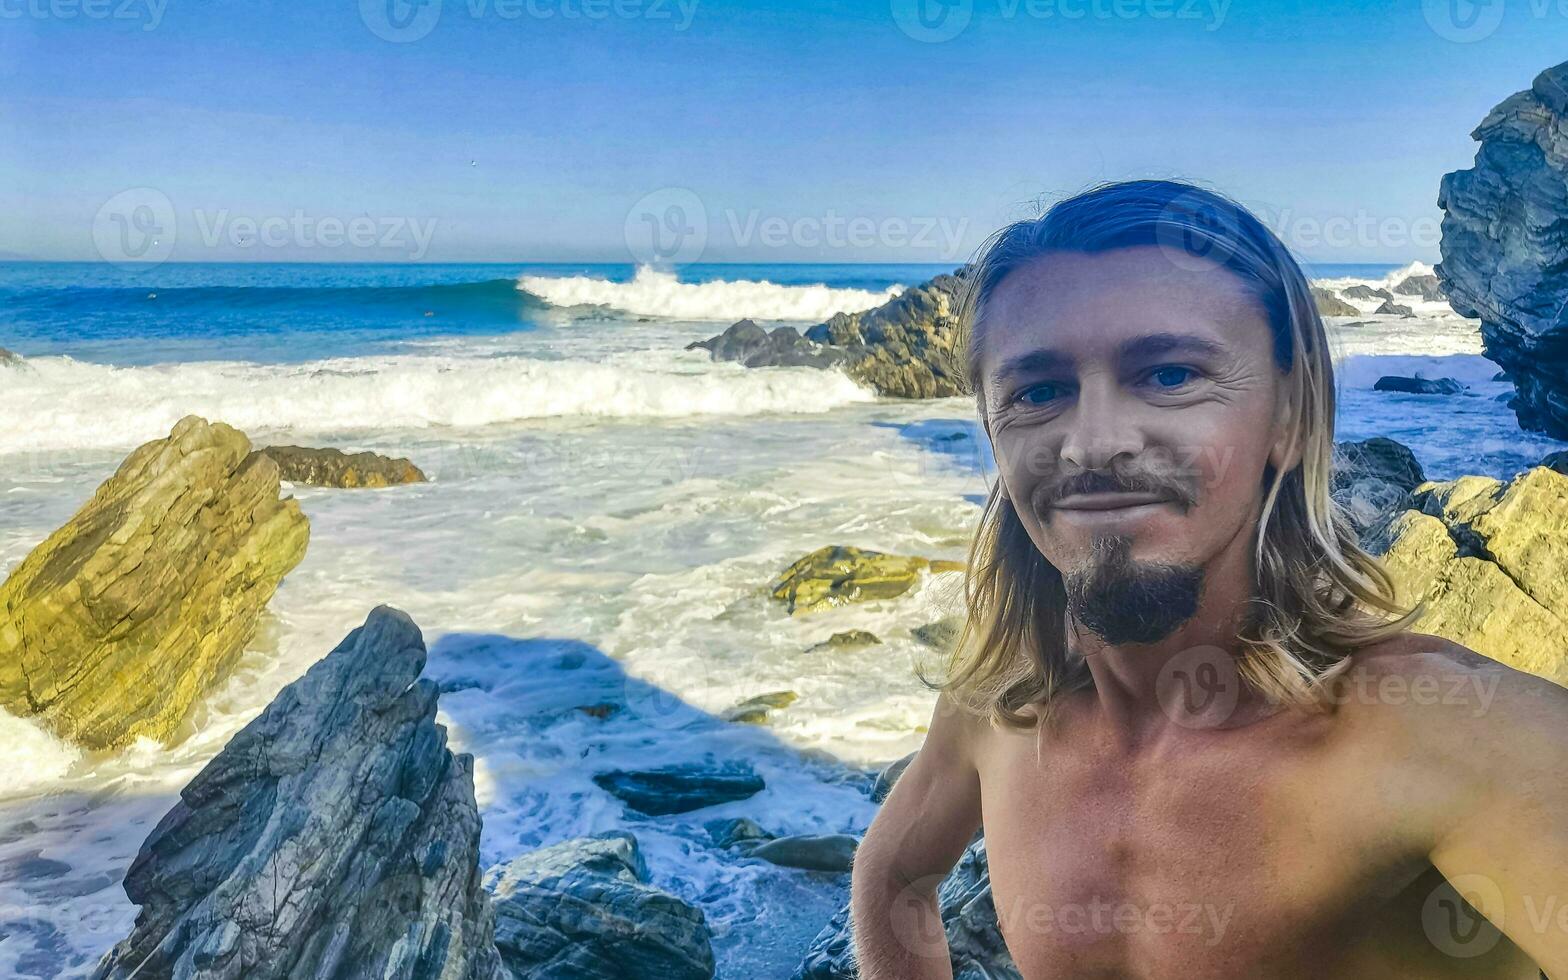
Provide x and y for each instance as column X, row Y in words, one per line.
column 1228, row 860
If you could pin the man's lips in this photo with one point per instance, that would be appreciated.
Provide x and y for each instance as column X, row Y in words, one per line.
column 1108, row 501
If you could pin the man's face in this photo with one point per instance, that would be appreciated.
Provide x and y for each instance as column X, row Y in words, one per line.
column 1133, row 404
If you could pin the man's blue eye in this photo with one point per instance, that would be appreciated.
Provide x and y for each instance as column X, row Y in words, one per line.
column 1044, row 393
column 1163, row 376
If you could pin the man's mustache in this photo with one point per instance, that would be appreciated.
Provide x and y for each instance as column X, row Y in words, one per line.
column 1099, row 481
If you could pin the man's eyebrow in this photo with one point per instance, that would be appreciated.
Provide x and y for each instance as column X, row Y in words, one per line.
column 1047, row 359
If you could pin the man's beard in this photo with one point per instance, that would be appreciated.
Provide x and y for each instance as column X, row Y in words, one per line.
column 1123, row 601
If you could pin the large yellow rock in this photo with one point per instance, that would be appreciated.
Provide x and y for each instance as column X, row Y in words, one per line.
column 114, row 625
column 837, row 575
column 1491, row 561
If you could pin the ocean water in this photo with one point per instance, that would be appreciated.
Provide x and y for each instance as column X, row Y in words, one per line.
column 604, row 513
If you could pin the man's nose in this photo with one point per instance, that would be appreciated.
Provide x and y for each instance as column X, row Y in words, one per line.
column 1100, row 428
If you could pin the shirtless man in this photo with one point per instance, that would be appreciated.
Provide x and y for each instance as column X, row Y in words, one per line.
column 1192, row 754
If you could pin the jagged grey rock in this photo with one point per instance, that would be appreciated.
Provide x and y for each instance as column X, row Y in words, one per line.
column 905, row 348
column 1372, row 478
column 1505, row 246
column 1329, row 303
column 974, row 939
column 334, row 837
column 583, row 909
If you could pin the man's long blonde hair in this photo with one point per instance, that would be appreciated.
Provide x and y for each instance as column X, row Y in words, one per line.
column 1318, row 596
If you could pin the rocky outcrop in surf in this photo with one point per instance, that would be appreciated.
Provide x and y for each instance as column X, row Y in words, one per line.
column 1505, row 246
column 837, row 575
column 335, row 468
column 1490, row 559
column 584, row 909
column 1329, row 303
column 905, row 348
column 113, row 627
column 335, row 836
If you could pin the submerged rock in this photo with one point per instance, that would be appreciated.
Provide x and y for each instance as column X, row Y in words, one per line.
column 8, row 358
column 335, row 468
column 121, row 619
column 836, row 575
column 754, row 711
column 335, row 836
column 1505, row 246
column 974, row 939
column 1491, row 561
column 729, row 831
column 810, row 852
column 584, row 909
column 678, row 789
column 1418, row 386
column 905, row 348
column 846, row 640
column 1329, row 303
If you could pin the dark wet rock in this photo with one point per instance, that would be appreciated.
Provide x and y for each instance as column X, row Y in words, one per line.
column 1418, row 386
column 837, row 575
column 941, row 634
column 1372, row 478
column 9, row 358
column 1428, row 287
column 335, row 468
column 1359, row 291
column 1500, row 376
column 888, row 776
column 1391, row 308
column 678, row 789
column 846, row 640
column 811, row 852
column 754, row 347
column 583, row 909
column 968, row 914
column 116, row 624
column 905, row 348
column 1378, row 457
column 1557, row 461
column 1505, row 246
column 1490, row 559
column 755, row 710
column 727, row 831
column 334, row 836
column 1329, row 303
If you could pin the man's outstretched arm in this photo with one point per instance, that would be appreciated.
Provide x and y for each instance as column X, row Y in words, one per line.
column 919, row 834
column 1503, row 843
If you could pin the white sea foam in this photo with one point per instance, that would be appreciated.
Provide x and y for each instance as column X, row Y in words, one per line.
column 70, row 404
column 655, row 293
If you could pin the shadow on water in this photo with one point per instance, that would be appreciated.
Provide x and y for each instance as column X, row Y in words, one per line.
column 542, row 717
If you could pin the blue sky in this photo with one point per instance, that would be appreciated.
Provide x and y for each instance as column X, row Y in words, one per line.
column 556, row 130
